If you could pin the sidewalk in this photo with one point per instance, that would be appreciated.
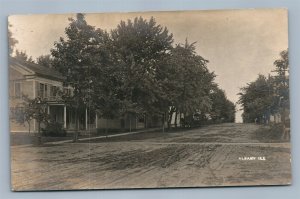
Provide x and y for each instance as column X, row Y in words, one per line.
column 107, row 136
column 84, row 138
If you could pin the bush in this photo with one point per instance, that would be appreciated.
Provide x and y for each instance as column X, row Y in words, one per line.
column 54, row 129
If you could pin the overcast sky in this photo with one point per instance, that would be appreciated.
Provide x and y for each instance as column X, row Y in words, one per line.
column 239, row 44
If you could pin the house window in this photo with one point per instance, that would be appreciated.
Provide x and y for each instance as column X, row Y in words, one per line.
column 18, row 89
column 17, row 114
column 42, row 90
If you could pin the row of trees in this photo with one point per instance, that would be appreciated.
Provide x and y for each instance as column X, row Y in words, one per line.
column 135, row 69
column 269, row 95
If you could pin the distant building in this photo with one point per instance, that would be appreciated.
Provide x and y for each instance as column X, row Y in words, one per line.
column 32, row 80
column 275, row 118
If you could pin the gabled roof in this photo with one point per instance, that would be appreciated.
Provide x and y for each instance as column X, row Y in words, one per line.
column 36, row 69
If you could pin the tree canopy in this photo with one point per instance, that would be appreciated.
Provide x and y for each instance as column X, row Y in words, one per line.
column 22, row 56
column 134, row 69
column 185, row 81
column 257, row 99
column 267, row 95
column 45, row 60
column 139, row 47
column 79, row 58
column 222, row 109
column 11, row 41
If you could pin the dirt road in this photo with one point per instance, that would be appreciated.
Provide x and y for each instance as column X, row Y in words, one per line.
column 216, row 155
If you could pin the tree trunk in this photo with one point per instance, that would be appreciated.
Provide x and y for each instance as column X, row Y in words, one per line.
column 163, row 125
column 170, row 116
column 28, row 127
column 184, row 122
column 175, row 123
column 75, row 135
column 39, row 133
column 129, row 122
column 285, row 134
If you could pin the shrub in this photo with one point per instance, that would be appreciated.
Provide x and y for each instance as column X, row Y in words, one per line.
column 54, row 129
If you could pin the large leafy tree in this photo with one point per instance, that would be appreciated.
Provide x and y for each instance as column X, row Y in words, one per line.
column 281, row 82
column 186, row 82
column 106, row 88
column 229, row 111
column 78, row 58
column 257, row 100
column 222, row 109
column 139, row 46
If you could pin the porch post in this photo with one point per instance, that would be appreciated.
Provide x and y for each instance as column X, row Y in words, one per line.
column 136, row 122
column 48, row 109
column 86, row 119
column 65, row 116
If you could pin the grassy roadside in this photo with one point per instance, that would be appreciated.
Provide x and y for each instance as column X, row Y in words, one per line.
column 270, row 134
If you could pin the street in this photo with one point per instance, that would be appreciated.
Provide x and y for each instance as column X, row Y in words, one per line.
column 217, row 155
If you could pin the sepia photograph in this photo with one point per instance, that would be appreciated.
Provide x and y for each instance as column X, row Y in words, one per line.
column 164, row 99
